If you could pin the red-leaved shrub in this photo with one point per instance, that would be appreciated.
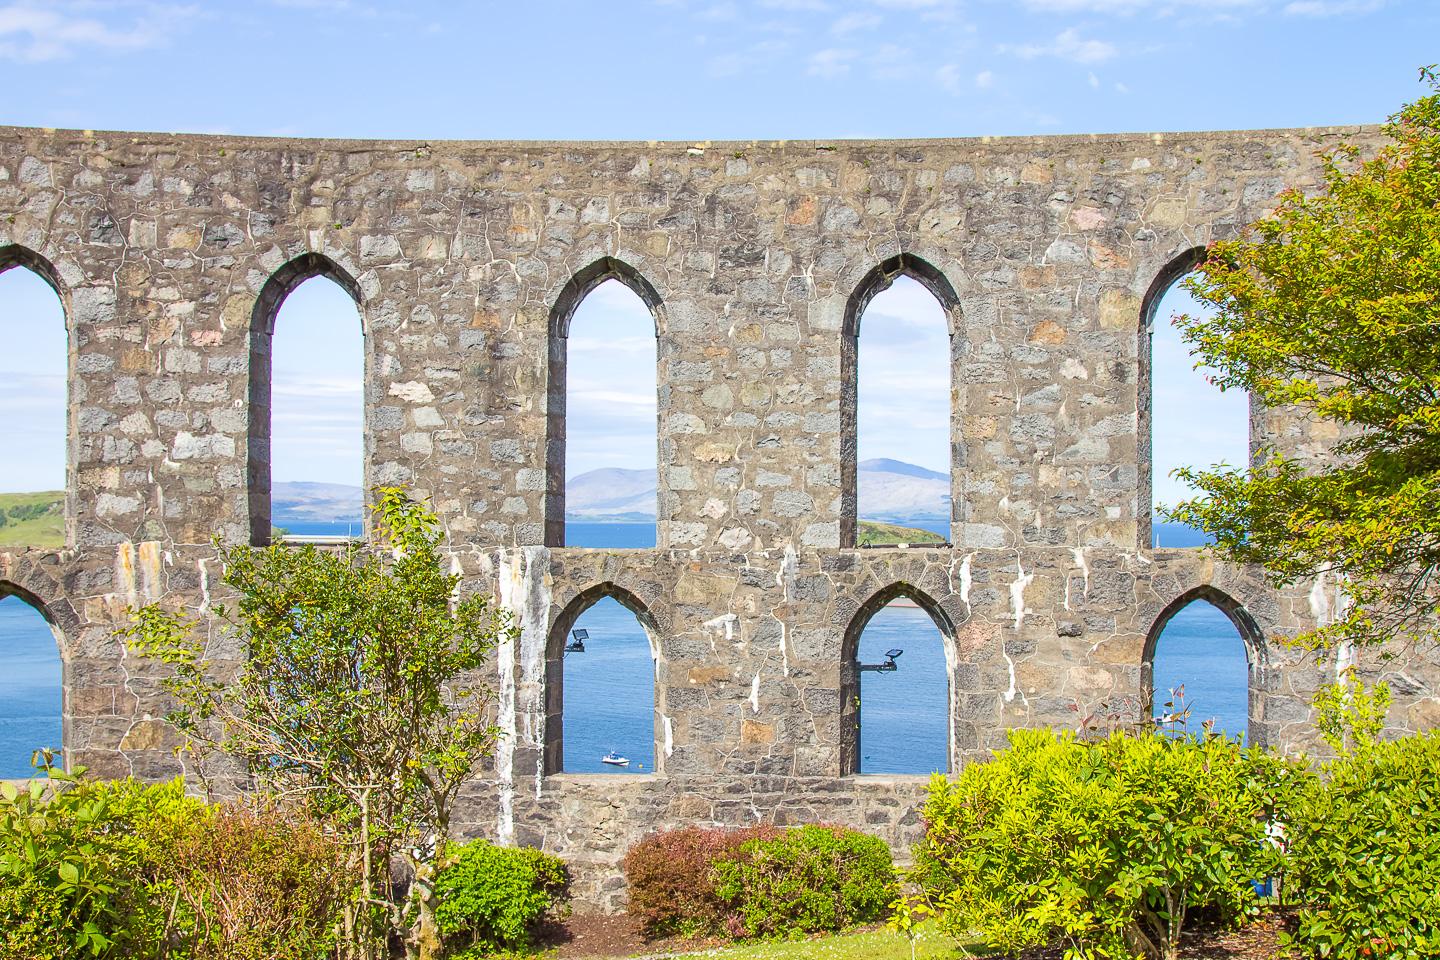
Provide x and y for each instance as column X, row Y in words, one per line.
column 669, row 875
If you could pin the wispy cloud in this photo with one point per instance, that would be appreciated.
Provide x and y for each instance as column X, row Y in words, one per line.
column 857, row 21
column 754, row 57
column 31, row 33
column 814, row 5
column 1067, row 45
column 1138, row 6
column 831, row 63
column 1331, row 8
column 984, row 80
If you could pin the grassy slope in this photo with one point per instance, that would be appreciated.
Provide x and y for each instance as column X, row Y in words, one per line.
column 875, row 534
column 46, row 530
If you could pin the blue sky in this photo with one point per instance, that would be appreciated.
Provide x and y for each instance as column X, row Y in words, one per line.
column 684, row 69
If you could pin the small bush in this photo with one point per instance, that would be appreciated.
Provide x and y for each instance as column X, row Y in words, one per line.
column 78, row 865
column 494, row 898
column 1365, row 854
column 757, row 881
column 668, row 875
column 258, row 882
column 807, row 880
column 1105, row 845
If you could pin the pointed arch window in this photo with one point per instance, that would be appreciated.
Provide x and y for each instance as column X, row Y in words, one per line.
column 602, row 670
column 906, row 711
column 31, row 685
column 33, row 391
column 602, row 485
column 898, row 455
column 307, row 459
column 1202, row 665
column 1185, row 420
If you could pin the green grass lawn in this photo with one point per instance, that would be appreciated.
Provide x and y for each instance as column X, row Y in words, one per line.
column 32, row 519
column 930, row 944
column 872, row 533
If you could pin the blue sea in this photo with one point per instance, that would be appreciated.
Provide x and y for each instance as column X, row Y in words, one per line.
column 609, row 689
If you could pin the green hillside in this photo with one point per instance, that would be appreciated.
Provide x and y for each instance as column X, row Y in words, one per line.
column 32, row 519
column 872, row 533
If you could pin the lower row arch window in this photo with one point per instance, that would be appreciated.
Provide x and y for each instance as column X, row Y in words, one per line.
column 1198, row 661
column 896, row 721
column 31, row 698
column 600, row 689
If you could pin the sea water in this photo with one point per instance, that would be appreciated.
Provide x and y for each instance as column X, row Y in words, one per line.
column 609, row 689
column 29, row 687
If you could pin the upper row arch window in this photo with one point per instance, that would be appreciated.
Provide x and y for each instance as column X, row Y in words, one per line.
column 897, row 405
column 1185, row 419
column 307, row 411
column 602, row 485
column 33, row 393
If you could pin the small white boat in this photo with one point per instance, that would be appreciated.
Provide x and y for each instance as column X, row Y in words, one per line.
column 615, row 760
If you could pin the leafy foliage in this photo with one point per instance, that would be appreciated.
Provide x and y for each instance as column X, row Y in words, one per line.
column 806, row 880
column 669, row 883
column 351, row 689
column 1365, row 853
column 1332, row 305
column 758, row 881
column 254, row 881
column 79, row 860
column 494, row 898
column 1106, row 846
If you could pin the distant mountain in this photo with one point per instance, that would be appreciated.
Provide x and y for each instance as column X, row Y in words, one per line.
column 889, row 490
column 613, row 494
column 303, row 502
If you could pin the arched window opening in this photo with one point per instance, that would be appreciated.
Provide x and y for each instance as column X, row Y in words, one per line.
column 896, row 684
column 1192, row 423
column 32, row 404
column 601, row 688
column 896, row 484
column 1199, row 667
column 31, row 698
column 307, row 406
column 609, row 437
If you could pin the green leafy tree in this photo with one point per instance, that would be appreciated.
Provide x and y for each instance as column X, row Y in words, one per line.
column 352, row 689
column 1331, row 305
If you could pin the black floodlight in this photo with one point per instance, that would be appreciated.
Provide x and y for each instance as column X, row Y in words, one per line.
column 577, row 641
column 889, row 666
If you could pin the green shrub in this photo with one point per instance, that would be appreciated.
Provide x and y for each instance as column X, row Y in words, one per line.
column 1365, row 854
column 494, row 898
column 1106, row 846
column 806, row 880
column 668, row 875
column 78, row 865
column 257, row 882
column 757, row 881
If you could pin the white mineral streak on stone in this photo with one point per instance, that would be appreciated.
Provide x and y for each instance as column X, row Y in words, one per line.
column 785, row 579
column 726, row 622
column 669, row 734
column 204, row 583
column 755, row 693
column 1017, row 593
column 525, row 593
column 965, row 579
column 784, row 652
column 1009, row 693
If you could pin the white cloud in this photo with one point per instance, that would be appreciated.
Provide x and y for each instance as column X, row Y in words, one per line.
column 830, row 63
column 1331, row 8
column 948, row 77
column 815, row 5
column 891, row 62
column 719, row 13
column 1121, row 88
column 1094, row 81
column 984, row 80
column 754, row 57
column 1136, row 6
column 31, row 33
column 913, row 4
column 853, row 22
column 1067, row 45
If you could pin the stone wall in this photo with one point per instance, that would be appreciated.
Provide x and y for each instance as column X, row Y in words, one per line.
column 171, row 255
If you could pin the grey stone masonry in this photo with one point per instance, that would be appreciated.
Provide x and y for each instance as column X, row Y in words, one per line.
column 171, row 255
